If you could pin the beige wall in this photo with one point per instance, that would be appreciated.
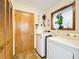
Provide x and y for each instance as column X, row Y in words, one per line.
column 61, row 4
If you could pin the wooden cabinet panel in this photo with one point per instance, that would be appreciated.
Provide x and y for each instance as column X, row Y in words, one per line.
column 9, row 32
column 11, row 22
column 2, row 54
column 9, row 49
column 7, row 15
column 6, row 32
column 2, row 18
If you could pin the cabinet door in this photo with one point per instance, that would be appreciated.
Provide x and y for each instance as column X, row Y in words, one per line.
column 58, row 52
column 50, row 51
column 9, row 38
column 2, row 16
column 62, row 53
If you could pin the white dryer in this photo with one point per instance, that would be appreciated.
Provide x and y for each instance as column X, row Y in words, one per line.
column 62, row 48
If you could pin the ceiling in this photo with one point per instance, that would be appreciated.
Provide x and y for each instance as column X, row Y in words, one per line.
column 40, row 4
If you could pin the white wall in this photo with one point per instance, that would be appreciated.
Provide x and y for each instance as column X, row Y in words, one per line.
column 77, row 16
column 61, row 4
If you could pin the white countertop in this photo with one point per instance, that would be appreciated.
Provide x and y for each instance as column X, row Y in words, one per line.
column 71, row 41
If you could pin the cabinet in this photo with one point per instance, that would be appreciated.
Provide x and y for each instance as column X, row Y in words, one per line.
column 6, row 37
column 2, row 19
column 8, row 32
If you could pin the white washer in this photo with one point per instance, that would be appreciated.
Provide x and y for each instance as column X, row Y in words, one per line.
column 40, row 43
column 62, row 48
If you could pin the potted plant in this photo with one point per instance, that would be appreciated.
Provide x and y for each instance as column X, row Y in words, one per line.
column 59, row 20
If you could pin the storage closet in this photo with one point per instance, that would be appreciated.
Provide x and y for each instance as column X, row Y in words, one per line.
column 6, row 32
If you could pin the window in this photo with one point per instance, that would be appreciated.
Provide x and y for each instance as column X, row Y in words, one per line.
column 64, row 18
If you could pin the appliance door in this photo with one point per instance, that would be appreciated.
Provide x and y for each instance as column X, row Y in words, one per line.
column 40, row 45
column 58, row 52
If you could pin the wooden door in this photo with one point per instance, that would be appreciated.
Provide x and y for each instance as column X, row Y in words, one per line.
column 24, row 31
column 2, row 18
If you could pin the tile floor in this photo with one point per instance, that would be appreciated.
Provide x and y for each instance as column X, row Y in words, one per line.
column 28, row 55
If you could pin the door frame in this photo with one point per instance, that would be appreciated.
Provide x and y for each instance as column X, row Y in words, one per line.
column 24, row 11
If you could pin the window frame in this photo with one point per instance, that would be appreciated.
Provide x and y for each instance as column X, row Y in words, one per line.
column 64, row 7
